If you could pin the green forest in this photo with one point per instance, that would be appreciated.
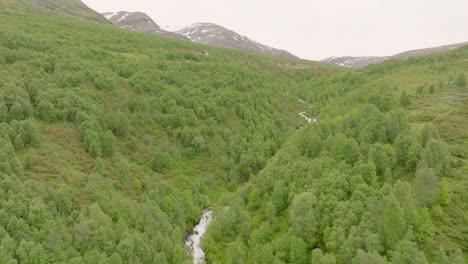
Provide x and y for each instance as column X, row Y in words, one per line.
column 113, row 142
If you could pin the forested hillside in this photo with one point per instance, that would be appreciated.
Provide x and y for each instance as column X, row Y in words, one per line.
column 379, row 178
column 113, row 142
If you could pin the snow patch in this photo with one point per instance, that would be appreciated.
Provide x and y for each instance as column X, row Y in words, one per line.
column 123, row 17
column 108, row 16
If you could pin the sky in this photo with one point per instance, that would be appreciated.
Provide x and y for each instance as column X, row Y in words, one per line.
column 316, row 29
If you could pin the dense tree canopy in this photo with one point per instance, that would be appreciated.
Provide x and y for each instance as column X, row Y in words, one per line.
column 113, row 142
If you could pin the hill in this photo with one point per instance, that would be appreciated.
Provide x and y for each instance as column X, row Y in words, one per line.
column 203, row 33
column 379, row 178
column 139, row 22
column 360, row 62
column 70, row 8
column 113, row 144
column 114, row 141
column 215, row 35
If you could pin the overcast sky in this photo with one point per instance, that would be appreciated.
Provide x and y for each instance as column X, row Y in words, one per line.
column 315, row 29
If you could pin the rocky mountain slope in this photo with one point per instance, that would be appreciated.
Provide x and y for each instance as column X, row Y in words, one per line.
column 139, row 22
column 353, row 62
column 203, row 33
column 71, row 8
column 215, row 35
column 359, row 62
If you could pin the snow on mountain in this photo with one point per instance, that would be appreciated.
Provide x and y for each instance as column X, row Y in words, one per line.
column 139, row 22
column 359, row 62
column 215, row 35
column 203, row 33
column 353, row 62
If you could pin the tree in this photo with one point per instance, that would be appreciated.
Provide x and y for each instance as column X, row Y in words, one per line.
column 402, row 192
column 16, row 112
column 312, row 146
column 160, row 161
column 363, row 257
column 19, row 144
column 108, row 143
column 123, row 171
column 298, row 251
column 428, row 133
column 316, row 256
column 263, row 254
column 255, row 199
column 5, row 258
column 407, row 150
column 302, row 216
column 394, row 224
column 404, row 99
column 443, row 193
column 235, row 253
column 114, row 259
column 423, row 225
column 367, row 172
column 118, row 123
column 328, row 259
column 388, row 176
column 406, row 252
column 460, row 81
column 94, row 149
column 425, row 186
column 46, row 111
column 436, row 156
column 120, row 228
column 3, row 112
column 198, row 144
column 30, row 253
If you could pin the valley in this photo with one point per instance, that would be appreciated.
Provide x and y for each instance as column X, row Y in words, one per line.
column 126, row 147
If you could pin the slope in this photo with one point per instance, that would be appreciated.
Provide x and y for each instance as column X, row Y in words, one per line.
column 360, row 62
column 113, row 141
column 71, row 8
column 379, row 178
column 139, row 22
column 215, row 35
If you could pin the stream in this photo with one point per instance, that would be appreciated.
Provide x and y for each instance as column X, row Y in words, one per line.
column 194, row 239
column 304, row 114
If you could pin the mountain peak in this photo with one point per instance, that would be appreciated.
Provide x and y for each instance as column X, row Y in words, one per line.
column 200, row 32
column 140, row 22
column 216, row 35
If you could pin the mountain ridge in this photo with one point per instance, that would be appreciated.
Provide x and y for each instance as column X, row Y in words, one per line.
column 201, row 32
column 139, row 22
column 70, row 8
column 357, row 62
column 216, row 35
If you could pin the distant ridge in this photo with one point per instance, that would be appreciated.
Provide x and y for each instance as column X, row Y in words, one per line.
column 140, row 22
column 203, row 33
column 71, row 8
column 359, row 62
column 216, row 35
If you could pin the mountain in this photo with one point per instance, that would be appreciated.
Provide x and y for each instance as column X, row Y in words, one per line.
column 117, row 146
column 139, row 22
column 215, row 35
column 428, row 51
column 359, row 62
column 353, row 62
column 112, row 142
column 203, row 33
column 70, row 8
